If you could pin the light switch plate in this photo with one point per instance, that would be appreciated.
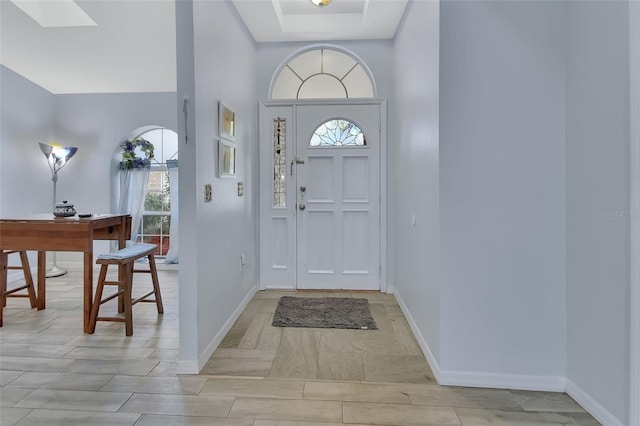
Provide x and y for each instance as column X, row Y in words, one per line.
column 207, row 193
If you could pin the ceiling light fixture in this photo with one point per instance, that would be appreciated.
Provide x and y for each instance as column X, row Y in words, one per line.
column 320, row 3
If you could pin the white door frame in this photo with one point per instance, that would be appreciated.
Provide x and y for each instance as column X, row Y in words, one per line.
column 263, row 144
column 634, row 107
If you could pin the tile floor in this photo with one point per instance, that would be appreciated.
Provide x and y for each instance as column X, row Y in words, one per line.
column 53, row 374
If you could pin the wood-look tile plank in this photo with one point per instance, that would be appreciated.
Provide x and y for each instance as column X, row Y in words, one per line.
column 398, row 414
column 233, row 338
column 19, row 363
column 293, row 423
column 161, row 385
column 340, row 366
column 78, row 418
column 134, row 367
column 488, row 416
column 62, row 381
column 239, row 362
column 10, row 416
column 287, row 409
column 462, row 397
column 32, row 350
column 356, row 392
column 397, row 369
column 167, row 420
column 178, row 405
column 547, row 401
column 254, row 331
column 270, row 337
column 257, row 388
column 360, row 341
column 7, row 376
column 11, row 396
column 295, row 365
column 87, row 352
column 74, row 400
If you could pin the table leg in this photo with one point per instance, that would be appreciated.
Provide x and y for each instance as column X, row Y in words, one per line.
column 42, row 279
column 88, row 291
column 3, row 281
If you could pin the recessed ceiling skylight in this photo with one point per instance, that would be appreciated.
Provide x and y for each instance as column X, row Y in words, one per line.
column 55, row 13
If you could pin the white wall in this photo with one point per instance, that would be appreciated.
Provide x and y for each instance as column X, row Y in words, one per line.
column 213, row 285
column 27, row 118
column 502, row 193
column 414, row 169
column 598, row 215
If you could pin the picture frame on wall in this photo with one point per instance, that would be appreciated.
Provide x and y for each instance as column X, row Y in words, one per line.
column 226, row 159
column 226, row 121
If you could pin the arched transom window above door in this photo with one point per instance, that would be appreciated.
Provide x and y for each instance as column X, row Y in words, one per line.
column 323, row 73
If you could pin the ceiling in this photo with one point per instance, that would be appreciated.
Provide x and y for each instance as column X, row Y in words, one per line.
column 299, row 20
column 132, row 46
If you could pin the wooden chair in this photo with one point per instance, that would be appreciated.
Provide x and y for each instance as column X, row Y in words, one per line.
column 125, row 258
column 28, row 278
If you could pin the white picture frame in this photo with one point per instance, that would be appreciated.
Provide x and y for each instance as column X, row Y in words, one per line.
column 226, row 159
column 226, row 121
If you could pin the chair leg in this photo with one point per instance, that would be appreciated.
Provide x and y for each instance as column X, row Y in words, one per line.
column 31, row 291
column 156, row 284
column 128, row 311
column 93, row 318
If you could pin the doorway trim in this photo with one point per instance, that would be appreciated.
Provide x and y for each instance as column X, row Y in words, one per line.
column 384, row 287
column 634, row 109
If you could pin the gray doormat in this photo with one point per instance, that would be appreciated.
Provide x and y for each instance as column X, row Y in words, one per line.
column 324, row 312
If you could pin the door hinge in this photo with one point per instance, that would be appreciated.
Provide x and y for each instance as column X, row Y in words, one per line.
column 379, row 198
column 380, row 271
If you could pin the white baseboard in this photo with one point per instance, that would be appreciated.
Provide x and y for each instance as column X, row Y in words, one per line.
column 431, row 360
column 211, row 347
column 585, row 400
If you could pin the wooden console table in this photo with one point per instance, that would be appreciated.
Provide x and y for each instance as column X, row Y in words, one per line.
column 44, row 232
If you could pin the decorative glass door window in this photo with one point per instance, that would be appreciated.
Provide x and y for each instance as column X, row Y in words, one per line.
column 279, row 163
column 338, row 132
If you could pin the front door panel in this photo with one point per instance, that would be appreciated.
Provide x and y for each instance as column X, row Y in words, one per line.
column 338, row 205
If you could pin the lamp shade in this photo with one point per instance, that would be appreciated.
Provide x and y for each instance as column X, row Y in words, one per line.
column 57, row 155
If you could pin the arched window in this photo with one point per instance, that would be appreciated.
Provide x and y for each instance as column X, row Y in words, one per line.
column 147, row 180
column 157, row 219
column 323, row 73
column 338, row 132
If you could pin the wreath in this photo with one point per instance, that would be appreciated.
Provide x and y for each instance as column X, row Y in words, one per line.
column 136, row 153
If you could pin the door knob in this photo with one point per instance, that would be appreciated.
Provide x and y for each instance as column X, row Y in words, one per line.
column 303, row 188
column 302, row 207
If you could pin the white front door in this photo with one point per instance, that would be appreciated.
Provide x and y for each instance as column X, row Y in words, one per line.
column 320, row 196
column 338, row 187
